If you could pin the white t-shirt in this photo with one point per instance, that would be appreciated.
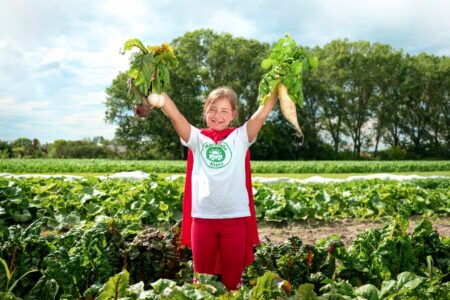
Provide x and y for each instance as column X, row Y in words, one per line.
column 218, row 175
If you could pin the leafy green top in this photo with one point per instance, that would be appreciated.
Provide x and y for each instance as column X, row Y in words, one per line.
column 149, row 68
column 287, row 62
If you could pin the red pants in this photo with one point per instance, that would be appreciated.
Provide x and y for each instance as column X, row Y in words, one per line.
column 223, row 237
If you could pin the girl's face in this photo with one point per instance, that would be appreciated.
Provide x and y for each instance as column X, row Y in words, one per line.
column 219, row 114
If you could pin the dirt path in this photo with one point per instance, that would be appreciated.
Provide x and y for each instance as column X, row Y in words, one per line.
column 309, row 232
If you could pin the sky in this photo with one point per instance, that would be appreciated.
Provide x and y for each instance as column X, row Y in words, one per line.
column 58, row 57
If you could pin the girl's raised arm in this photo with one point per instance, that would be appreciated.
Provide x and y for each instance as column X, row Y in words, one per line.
column 256, row 121
column 179, row 122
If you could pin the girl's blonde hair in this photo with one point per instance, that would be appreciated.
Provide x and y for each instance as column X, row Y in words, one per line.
column 219, row 93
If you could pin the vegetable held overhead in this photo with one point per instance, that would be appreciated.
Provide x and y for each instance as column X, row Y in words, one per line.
column 148, row 73
column 286, row 62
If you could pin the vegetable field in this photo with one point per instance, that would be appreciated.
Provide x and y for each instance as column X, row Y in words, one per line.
column 65, row 238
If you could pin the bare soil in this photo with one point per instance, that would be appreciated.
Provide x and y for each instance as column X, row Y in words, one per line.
column 311, row 231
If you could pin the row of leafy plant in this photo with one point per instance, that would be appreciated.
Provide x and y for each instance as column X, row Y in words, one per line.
column 380, row 264
column 119, row 259
column 355, row 199
column 65, row 201
column 22, row 166
column 66, row 237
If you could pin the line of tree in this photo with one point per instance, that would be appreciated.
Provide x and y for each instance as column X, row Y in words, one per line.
column 97, row 147
column 362, row 95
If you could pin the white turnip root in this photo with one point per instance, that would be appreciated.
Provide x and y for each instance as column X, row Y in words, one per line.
column 156, row 100
column 143, row 110
column 288, row 107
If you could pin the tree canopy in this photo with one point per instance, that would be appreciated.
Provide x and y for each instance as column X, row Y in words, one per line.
column 362, row 95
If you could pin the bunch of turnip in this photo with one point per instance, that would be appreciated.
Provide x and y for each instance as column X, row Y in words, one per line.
column 287, row 63
column 148, row 75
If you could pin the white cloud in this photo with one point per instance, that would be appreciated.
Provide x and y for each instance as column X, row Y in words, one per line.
column 228, row 21
column 89, row 99
column 12, row 107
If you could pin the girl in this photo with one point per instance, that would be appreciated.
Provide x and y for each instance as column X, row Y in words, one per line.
column 219, row 222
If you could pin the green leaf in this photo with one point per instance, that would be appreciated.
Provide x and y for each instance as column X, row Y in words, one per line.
column 306, row 292
column 22, row 216
column 141, row 71
column 45, row 288
column 129, row 44
column 268, row 286
column 267, row 63
column 166, row 59
column 413, row 284
column 73, row 218
column 116, row 287
column 163, row 73
column 161, row 284
column 136, row 289
column 8, row 296
column 5, row 265
column 273, row 84
column 163, row 206
column 406, row 282
column 403, row 278
column 387, row 287
column 368, row 291
column 297, row 67
column 313, row 62
column 20, row 278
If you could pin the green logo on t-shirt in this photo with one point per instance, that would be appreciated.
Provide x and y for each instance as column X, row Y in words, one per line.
column 216, row 156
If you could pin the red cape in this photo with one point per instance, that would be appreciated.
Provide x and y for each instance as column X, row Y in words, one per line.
column 251, row 233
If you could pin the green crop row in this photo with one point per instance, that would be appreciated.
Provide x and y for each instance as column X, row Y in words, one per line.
column 155, row 200
column 63, row 238
column 106, row 260
column 21, row 166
